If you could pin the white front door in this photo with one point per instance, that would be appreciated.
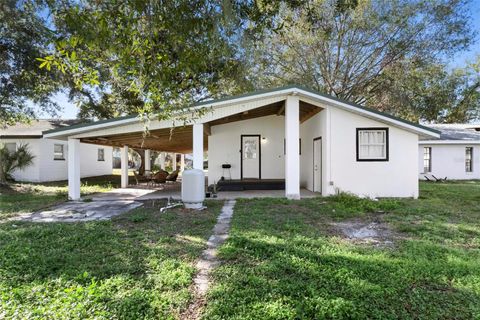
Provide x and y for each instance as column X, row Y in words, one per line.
column 317, row 165
column 250, row 157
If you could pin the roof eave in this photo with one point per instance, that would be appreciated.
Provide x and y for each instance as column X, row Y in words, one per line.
column 417, row 128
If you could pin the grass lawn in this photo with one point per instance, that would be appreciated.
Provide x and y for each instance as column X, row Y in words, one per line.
column 285, row 260
column 138, row 266
column 27, row 197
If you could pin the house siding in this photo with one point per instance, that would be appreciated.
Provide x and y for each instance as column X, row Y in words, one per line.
column 45, row 168
column 449, row 161
column 396, row 177
column 32, row 172
column 224, row 147
column 313, row 128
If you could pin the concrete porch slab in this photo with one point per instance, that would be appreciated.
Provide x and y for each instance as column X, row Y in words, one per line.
column 173, row 190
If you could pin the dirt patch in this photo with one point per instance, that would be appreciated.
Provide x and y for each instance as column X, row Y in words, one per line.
column 375, row 233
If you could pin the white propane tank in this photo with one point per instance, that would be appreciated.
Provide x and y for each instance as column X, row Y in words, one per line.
column 193, row 188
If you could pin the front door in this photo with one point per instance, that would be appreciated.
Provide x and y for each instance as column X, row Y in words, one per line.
column 250, row 157
column 317, row 164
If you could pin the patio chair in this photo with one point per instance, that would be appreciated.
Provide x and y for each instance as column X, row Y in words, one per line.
column 160, row 177
column 139, row 179
column 172, row 177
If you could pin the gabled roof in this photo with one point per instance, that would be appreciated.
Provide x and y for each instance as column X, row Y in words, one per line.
column 455, row 133
column 291, row 89
column 35, row 128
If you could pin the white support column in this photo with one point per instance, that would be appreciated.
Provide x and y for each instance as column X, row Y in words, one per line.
column 124, row 166
column 174, row 161
column 73, row 169
column 182, row 162
column 198, row 146
column 148, row 160
column 292, row 148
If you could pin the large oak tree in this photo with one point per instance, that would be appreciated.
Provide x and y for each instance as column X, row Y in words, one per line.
column 367, row 51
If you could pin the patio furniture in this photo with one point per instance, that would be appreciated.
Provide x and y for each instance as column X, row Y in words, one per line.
column 172, row 177
column 160, row 177
column 139, row 179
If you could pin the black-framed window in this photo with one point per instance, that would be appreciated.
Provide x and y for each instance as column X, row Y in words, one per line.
column 372, row 144
column 469, row 159
column 58, row 152
column 101, row 154
column 299, row 146
column 427, row 159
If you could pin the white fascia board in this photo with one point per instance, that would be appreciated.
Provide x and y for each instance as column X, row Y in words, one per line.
column 368, row 113
column 451, row 142
column 244, row 103
column 244, row 99
column 66, row 133
column 155, row 124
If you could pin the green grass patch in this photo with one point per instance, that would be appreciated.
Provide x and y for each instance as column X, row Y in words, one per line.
column 137, row 266
column 284, row 260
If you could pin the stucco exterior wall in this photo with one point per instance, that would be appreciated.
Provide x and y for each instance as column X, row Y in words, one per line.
column 31, row 173
column 396, row 177
column 449, row 161
column 313, row 128
column 224, row 147
column 45, row 168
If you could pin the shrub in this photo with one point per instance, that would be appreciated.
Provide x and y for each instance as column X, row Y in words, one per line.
column 17, row 160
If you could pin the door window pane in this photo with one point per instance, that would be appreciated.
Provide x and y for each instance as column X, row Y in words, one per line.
column 250, row 146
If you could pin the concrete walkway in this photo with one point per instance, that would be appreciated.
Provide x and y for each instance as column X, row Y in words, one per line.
column 81, row 211
column 209, row 260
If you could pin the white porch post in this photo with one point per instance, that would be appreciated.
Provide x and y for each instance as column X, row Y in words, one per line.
column 182, row 162
column 198, row 146
column 292, row 148
column 73, row 169
column 124, row 166
column 148, row 160
column 174, row 161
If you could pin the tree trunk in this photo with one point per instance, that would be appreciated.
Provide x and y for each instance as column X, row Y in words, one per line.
column 141, row 153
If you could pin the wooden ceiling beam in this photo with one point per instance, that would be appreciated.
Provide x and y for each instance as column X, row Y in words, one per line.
column 309, row 114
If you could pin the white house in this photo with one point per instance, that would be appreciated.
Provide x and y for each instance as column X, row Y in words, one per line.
column 455, row 155
column 292, row 134
column 51, row 155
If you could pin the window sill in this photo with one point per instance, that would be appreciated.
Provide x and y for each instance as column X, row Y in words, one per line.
column 59, row 159
column 101, row 160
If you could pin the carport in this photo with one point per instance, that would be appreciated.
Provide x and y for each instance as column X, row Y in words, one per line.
column 130, row 132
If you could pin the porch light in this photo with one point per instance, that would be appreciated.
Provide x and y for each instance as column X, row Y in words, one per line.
column 264, row 140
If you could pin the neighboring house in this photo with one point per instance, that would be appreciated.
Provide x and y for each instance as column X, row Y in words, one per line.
column 51, row 156
column 307, row 139
column 455, row 155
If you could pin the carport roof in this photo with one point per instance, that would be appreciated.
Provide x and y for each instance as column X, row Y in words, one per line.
column 285, row 89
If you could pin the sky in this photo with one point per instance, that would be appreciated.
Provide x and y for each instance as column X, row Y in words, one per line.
column 69, row 110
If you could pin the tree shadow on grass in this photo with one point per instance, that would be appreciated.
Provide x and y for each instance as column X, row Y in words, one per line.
column 138, row 265
column 283, row 265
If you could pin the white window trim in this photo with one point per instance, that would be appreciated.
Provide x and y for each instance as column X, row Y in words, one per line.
column 63, row 152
